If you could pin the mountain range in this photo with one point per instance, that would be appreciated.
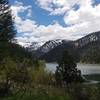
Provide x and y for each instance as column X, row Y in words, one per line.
column 52, row 50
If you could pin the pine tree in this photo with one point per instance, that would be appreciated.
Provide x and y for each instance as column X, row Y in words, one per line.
column 67, row 72
column 7, row 30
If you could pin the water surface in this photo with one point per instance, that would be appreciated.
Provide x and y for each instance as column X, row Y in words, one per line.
column 86, row 69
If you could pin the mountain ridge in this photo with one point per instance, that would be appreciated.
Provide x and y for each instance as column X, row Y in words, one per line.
column 56, row 47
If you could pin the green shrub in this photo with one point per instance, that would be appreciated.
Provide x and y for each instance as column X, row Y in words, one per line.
column 13, row 76
column 40, row 75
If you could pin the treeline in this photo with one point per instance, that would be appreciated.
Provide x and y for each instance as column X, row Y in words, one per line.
column 15, row 51
column 91, row 53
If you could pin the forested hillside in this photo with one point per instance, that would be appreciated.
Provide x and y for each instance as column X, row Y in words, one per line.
column 91, row 53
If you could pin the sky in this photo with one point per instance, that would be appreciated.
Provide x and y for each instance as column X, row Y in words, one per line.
column 43, row 20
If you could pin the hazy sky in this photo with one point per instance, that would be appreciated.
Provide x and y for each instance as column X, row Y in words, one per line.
column 43, row 20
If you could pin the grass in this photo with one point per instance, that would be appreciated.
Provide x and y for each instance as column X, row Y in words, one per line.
column 32, row 97
column 41, row 93
column 75, row 92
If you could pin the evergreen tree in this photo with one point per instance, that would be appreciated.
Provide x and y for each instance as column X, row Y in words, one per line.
column 67, row 72
column 7, row 31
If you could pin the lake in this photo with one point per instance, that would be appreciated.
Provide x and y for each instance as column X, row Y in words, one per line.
column 86, row 69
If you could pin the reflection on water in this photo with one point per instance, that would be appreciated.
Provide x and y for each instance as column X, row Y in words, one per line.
column 85, row 68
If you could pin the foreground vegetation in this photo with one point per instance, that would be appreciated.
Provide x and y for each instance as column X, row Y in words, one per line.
column 34, row 82
column 76, row 92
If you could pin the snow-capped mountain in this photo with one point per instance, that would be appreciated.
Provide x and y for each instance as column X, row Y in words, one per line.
column 35, row 45
column 50, row 45
column 44, row 48
column 53, row 49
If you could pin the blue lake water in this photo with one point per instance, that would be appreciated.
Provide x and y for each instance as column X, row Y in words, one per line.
column 86, row 69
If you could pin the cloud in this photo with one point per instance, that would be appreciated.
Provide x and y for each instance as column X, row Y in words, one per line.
column 80, row 22
column 87, row 14
column 43, row 33
column 85, row 19
column 59, row 7
column 19, row 7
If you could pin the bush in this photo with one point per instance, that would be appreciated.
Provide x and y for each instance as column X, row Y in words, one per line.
column 13, row 76
column 40, row 75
